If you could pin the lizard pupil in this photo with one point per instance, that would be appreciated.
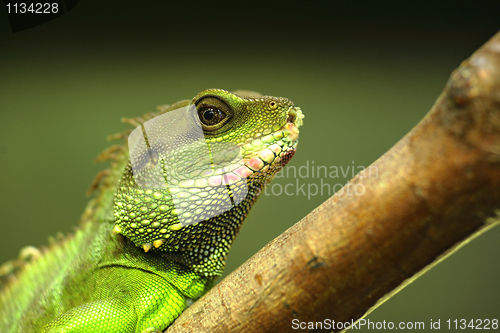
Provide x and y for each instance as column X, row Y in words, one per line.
column 209, row 114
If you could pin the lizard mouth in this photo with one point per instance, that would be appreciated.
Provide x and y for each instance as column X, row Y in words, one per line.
column 277, row 147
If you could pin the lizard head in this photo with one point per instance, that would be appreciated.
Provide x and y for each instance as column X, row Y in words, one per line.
column 196, row 169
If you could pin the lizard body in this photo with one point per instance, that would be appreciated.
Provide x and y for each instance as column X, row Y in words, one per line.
column 139, row 258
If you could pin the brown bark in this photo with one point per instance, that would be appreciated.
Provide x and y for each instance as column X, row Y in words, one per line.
column 435, row 189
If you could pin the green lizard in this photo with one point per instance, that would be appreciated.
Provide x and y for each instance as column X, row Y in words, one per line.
column 139, row 258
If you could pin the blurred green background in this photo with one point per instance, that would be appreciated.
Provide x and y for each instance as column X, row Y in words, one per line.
column 364, row 73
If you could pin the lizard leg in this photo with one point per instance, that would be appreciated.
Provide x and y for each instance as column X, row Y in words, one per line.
column 149, row 305
column 99, row 317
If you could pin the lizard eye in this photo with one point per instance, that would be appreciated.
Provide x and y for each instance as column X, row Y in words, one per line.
column 211, row 116
column 213, row 113
column 273, row 105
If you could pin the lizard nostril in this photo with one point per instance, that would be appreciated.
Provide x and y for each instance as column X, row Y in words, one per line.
column 295, row 116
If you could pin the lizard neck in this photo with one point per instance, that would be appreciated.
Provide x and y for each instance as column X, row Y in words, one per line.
column 201, row 246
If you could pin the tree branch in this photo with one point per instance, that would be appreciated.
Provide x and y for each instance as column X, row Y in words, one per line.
column 437, row 188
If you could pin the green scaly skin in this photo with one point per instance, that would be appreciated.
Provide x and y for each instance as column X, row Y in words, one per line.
column 131, row 266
